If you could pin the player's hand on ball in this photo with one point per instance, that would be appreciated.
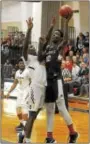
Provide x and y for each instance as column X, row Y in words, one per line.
column 30, row 23
column 69, row 17
column 53, row 21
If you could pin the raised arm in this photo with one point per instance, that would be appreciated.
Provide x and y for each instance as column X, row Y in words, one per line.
column 28, row 37
column 66, row 21
column 65, row 33
column 43, row 41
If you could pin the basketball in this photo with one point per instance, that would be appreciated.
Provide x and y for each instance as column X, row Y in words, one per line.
column 65, row 11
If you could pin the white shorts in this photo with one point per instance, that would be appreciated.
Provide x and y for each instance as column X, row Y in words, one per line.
column 22, row 98
column 36, row 97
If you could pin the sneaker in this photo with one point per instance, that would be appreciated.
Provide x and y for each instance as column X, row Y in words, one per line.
column 73, row 138
column 19, row 128
column 20, row 138
column 50, row 140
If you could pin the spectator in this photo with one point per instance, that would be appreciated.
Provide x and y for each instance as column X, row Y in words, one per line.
column 80, row 42
column 68, row 63
column 84, row 91
column 13, row 73
column 67, row 77
column 65, row 72
column 78, row 58
column 86, row 58
column 7, row 69
column 70, row 45
column 84, row 70
column 71, row 53
column 86, row 43
column 75, row 71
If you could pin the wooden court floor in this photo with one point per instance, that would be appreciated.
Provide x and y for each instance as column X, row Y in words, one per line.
column 81, row 120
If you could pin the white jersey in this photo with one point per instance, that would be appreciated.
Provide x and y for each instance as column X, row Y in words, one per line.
column 31, row 61
column 23, row 78
column 39, row 74
column 39, row 77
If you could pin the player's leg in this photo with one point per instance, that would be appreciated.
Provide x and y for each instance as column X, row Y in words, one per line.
column 50, row 98
column 25, row 114
column 50, row 111
column 25, row 135
column 25, row 110
column 19, row 114
column 34, row 104
column 65, row 114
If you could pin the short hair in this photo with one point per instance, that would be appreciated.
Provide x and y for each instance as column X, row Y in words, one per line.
column 32, row 50
column 61, row 33
column 20, row 60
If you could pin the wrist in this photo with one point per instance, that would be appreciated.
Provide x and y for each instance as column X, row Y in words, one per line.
column 9, row 92
column 52, row 25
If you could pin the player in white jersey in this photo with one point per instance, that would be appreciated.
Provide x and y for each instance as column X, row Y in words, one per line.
column 23, row 80
column 37, row 87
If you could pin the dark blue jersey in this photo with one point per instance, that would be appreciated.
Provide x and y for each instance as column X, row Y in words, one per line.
column 52, row 62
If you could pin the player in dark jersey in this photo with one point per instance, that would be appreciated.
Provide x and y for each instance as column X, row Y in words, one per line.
column 54, row 91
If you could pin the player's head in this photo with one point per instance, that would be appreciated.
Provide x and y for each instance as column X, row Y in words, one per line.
column 32, row 50
column 21, row 64
column 57, row 36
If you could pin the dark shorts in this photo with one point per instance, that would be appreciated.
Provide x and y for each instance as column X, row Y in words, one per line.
column 51, row 91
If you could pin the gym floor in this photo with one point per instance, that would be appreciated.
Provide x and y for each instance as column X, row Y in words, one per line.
column 10, row 121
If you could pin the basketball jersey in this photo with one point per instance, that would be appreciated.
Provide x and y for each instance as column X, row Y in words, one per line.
column 52, row 63
column 23, row 78
column 39, row 71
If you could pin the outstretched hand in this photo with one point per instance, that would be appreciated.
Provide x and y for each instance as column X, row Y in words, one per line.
column 68, row 18
column 7, row 95
column 53, row 21
column 30, row 23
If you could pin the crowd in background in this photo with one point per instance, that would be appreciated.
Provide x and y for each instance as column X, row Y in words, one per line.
column 75, row 62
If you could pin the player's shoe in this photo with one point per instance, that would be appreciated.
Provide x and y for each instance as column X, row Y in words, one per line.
column 19, row 127
column 50, row 140
column 73, row 138
column 20, row 138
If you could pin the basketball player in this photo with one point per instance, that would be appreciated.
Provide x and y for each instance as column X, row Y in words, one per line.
column 54, row 90
column 38, row 84
column 23, row 79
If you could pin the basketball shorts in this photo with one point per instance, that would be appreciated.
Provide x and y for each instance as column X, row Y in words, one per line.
column 36, row 97
column 54, row 90
column 22, row 98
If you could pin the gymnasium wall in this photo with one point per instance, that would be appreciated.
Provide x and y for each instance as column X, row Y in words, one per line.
column 16, row 13
column 80, row 20
column 49, row 9
column 84, row 16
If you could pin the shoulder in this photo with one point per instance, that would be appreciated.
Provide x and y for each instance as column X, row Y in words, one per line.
column 17, row 72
